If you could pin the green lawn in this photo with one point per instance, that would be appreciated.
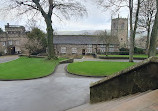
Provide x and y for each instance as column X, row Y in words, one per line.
column 26, row 68
column 97, row 68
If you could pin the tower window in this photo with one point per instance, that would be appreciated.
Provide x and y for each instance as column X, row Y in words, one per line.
column 114, row 25
column 122, row 26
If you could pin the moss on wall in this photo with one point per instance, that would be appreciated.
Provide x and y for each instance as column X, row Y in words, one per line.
column 136, row 79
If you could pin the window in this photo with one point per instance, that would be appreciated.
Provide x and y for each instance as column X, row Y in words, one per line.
column 89, row 50
column 10, row 42
column 17, row 42
column 74, row 50
column 89, row 45
column 4, row 43
column 114, row 25
column 102, row 50
column 121, row 38
column 111, row 45
column 111, row 49
column 102, row 46
column 63, row 50
column 122, row 26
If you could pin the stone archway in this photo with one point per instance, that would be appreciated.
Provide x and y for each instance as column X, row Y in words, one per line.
column 11, row 50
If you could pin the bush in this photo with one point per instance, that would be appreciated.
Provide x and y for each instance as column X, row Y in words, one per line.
column 1, row 53
column 138, row 50
column 124, row 51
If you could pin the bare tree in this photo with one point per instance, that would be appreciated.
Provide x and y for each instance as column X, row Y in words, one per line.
column 46, row 8
column 146, row 18
column 154, row 35
column 105, row 38
column 116, row 5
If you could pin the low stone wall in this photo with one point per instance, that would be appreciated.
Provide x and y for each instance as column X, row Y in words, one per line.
column 33, row 56
column 67, row 61
column 138, row 78
column 107, row 57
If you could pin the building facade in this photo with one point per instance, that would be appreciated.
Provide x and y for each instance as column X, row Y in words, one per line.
column 83, row 45
column 13, row 40
column 119, row 28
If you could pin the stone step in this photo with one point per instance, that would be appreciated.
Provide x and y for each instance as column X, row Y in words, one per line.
column 147, row 101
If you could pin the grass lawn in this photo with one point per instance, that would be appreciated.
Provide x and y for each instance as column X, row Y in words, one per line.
column 97, row 68
column 26, row 68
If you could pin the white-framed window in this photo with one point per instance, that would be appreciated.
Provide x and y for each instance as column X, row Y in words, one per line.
column 89, row 50
column 111, row 46
column 10, row 42
column 17, row 42
column 4, row 43
column 74, row 50
column 63, row 50
column 102, row 50
column 90, row 45
column 102, row 46
column 111, row 49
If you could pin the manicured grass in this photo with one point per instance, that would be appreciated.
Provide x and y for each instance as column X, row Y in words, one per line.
column 97, row 68
column 27, row 68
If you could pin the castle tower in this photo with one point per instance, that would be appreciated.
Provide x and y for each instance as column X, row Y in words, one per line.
column 119, row 28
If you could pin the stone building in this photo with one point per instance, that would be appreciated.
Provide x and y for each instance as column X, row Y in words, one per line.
column 13, row 40
column 83, row 45
column 119, row 28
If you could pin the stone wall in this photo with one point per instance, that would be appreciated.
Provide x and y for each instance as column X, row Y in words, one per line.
column 79, row 49
column 138, row 78
column 119, row 28
column 18, row 41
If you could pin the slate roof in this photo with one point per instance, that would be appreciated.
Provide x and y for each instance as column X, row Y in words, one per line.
column 82, row 39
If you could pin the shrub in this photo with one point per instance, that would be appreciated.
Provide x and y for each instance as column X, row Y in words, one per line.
column 138, row 50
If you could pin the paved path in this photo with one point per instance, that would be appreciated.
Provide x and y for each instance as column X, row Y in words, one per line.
column 140, row 102
column 8, row 58
column 57, row 92
column 95, row 59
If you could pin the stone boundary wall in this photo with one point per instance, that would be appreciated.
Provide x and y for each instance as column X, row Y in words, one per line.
column 139, row 78
column 136, row 58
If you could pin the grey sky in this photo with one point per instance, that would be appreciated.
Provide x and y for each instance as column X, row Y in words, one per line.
column 97, row 19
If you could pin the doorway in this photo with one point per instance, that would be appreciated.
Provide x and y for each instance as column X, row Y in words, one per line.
column 11, row 50
column 83, row 51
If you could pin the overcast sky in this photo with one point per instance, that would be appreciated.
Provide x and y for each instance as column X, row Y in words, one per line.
column 97, row 19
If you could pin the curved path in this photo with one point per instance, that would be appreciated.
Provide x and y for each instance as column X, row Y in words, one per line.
column 57, row 92
column 8, row 58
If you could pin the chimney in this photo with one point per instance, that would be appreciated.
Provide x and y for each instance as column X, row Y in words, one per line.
column 8, row 24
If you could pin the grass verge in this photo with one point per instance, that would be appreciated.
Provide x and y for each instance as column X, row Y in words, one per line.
column 27, row 68
column 97, row 68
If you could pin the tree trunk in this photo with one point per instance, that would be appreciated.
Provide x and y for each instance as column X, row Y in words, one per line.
column 148, row 40
column 154, row 35
column 133, row 32
column 131, row 50
column 51, row 53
